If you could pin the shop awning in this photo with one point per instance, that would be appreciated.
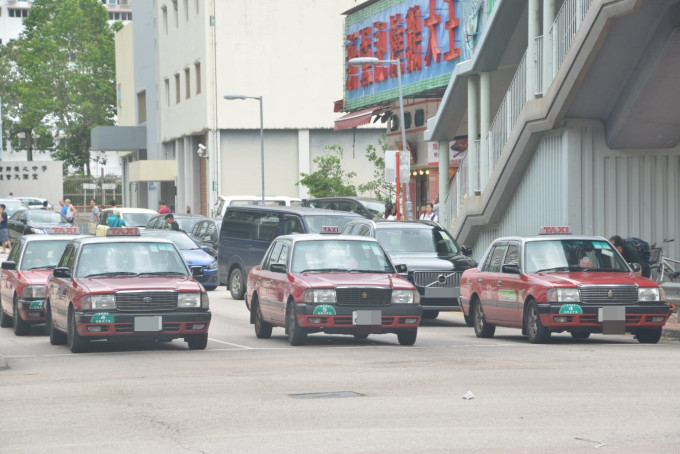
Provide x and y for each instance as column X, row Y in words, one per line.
column 359, row 117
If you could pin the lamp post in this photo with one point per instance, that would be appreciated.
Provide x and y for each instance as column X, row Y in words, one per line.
column 259, row 98
column 372, row 61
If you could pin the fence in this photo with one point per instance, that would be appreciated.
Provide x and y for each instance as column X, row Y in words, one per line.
column 102, row 189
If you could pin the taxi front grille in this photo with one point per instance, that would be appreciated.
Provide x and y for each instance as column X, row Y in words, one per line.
column 146, row 301
column 437, row 279
column 609, row 294
column 363, row 296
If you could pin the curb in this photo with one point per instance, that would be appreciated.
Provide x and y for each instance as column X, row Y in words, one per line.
column 3, row 363
column 671, row 333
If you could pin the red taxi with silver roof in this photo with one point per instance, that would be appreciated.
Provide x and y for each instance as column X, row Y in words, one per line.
column 24, row 276
column 557, row 282
column 125, row 286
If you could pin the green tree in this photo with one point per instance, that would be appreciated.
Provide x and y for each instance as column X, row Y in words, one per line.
column 381, row 189
column 329, row 179
column 65, row 61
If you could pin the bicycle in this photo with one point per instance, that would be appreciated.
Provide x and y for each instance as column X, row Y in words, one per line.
column 663, row 268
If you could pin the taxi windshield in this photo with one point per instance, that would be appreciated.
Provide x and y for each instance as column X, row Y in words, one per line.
column 572, row 255
column 42, row 254
column 339, row 256
column 129, row 259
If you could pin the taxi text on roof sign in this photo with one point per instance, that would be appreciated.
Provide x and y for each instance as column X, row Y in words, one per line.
column 557, row 230
column 122, row 231
column 330, row 229
column 72, row 230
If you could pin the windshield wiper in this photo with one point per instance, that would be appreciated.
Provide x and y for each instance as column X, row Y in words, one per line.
column 556, row 268
column 44, row 267
column 112, row 273
column 162, row 273
column 324, row 270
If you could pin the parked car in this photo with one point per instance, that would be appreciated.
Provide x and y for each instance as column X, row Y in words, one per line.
column 207, row 233
column 12, row 206
column 125, row 287
column 26, row 222
column 435, row 261
column 193, row 255
column 24, row 277
column 366, row 207
column 134, row 217
column 186, row 221
column 554, row 283
column 224, row 201
column 247, row 232
column 334, row 284
column 33, row 202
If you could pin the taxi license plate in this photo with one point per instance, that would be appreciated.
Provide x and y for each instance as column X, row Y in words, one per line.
column 147, row 324
column 367, row 318
column 441, row 292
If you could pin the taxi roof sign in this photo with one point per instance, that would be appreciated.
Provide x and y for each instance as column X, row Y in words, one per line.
column 330, row 229
column 64, row 230
column 554, row 230
column 122, row 231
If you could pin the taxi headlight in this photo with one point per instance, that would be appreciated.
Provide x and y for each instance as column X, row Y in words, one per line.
column 321, row 295
column 649, row 294
column 564, row 295
column 34, row 291
column 213, row 265
column 189, row 300
column 98, row 302
column 404, row 296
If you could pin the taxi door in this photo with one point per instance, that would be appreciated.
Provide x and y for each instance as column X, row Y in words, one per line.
column 510, row 287
column 8, row 279
column 270, row 283
column 60, row 289
column 489, row 282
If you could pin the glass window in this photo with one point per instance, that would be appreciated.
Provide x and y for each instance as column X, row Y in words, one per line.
column 293, row 224
column 42, row 254
column 129, row 257
column 572, row 255
column 512, row 256
column 495, row 259
column 273, row 256
column 14, row 253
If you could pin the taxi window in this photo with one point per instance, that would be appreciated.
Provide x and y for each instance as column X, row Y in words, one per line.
column 364, row 230
column 293, row 224
column 14, row 253
column 273, row 256
column 68, row 257
column 495, row 259
column 512, row 256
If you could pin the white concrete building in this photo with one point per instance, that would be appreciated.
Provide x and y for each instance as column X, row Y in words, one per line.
column 179, row 59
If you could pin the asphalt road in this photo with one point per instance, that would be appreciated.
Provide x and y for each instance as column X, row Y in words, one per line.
column 340, row 395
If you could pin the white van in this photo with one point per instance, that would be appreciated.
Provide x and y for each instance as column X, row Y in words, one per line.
column 223, row 201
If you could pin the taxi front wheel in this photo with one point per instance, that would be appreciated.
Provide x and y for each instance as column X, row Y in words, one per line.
column 649, row 335
column 197, row 341
column 536, row 332
column 407, row 336
column 56, row 337
column 297, row 335
column 21, row 327
column 75, row 342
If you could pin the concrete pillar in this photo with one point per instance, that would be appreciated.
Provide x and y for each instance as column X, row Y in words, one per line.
column 548, row 18
column 485, row 165
column 473, row 132
column 444, row 216
column 534, row 31
column 304, row 160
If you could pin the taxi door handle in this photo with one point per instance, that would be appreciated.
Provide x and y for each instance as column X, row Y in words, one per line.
column 479, row 281
column 500, row 283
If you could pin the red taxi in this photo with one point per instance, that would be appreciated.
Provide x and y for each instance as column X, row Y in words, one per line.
column 561, row 283
column 125, row 286
column 333, row 284
column 24, row 276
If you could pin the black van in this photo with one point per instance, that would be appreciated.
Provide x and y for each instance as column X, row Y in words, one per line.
column 248, row 230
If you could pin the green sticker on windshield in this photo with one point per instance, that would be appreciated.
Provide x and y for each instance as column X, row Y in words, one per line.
column 102, row 317
column 571, row 309
column 324, row 309
column 37, row 304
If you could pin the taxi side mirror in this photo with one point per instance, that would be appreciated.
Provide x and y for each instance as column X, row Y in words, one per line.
column 62, row 272
column 466, row 250
column 511, row 269
column 636, row 267
column 278, row 268
column 9, row 265
column 401, row 268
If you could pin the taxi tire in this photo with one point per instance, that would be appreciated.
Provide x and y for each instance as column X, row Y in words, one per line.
column 580, row 334
column 407, row 336
column 535, row 330
column 482, row 328
column 75, row 342
column 263, row 330
column 197, row 341
column 56, row 337
column 430, row 315
column 468, row 320
column 5, row 320
column 296, row 334
column 236, row 284
column 21, row 328
column 649, row 335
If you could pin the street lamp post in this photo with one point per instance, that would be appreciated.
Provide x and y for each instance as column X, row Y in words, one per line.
column 259, row 98
column 372, row 61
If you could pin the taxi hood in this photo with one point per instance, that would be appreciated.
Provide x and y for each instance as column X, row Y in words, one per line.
column 433, row 262
column 35, row 277
column 330, row 280
column 575, row 278
column 109, row 284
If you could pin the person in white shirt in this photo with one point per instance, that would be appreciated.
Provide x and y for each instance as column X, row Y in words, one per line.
column 390, row 212
column 429, row 213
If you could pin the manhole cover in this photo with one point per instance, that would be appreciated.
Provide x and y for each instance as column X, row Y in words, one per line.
column 327, row 395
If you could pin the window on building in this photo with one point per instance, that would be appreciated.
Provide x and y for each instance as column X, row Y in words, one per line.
column 197, row 71
column 177, row 88
column 175, row 11
column 166, row 82
column 17, row 12
column 187, row 81
column 165, row 19
column 407, row 120
column 420, row 118
column 141, row 107
column 394, row 123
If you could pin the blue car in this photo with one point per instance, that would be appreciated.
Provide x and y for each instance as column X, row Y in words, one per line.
column 193, row 254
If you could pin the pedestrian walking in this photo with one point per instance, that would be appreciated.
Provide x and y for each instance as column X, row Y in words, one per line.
column 94, row 217
column 4, row 229
column 171, row 220
column 70, row 211
column 164, row 208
